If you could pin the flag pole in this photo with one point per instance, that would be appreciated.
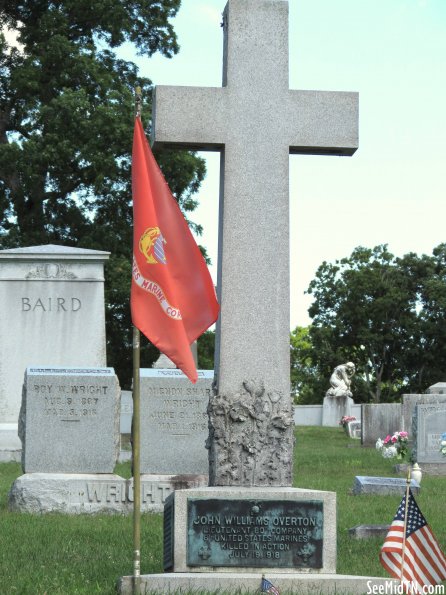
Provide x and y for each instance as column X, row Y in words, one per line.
column 406, row 508
column 136, row 423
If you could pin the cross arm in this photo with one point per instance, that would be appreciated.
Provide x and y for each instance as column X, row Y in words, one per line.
column 189, row 117
column 323, row 122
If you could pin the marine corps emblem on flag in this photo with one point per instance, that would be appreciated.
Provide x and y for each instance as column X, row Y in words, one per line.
column 151, row 244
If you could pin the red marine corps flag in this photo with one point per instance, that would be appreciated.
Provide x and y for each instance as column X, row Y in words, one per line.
column 172, row 298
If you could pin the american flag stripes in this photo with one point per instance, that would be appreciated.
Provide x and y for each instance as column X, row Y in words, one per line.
column 268, row 587
column 424, row 563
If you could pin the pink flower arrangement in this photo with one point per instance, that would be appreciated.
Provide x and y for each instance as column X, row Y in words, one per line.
column 345, row 419
column 394, row 445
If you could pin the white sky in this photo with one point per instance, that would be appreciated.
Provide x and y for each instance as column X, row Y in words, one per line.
column 393, row 52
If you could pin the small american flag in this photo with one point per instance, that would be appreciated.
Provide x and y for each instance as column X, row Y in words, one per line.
column 424, row 562
column 268, row 587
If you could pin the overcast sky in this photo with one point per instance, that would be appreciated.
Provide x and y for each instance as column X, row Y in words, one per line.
column 393, row 52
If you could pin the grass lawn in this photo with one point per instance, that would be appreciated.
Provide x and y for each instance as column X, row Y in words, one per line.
column 59, row 554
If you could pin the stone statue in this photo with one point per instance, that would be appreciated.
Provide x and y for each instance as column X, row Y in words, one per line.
column 341, row 380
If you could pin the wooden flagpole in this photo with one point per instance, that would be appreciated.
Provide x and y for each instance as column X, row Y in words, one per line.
column 136, row 424
column 406, row 508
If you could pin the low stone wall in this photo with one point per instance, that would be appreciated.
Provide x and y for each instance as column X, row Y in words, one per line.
column 311, row 415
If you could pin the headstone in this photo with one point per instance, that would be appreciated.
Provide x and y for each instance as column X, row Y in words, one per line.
column 369, row 531
column 92, row 493
column 429, row 423
column 379, row 420
column 255, row 121
column 334, row 408
column 175, row 427
column 232, row 530
column 354, row 429
column 52, row 315
column 383, row 486
column 69, row 424
column 125, row 426
column 410, row 401
column 437, row 389
column 69, row 421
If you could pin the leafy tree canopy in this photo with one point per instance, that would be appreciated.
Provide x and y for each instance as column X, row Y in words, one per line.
column 384, row 313
column 66, row 121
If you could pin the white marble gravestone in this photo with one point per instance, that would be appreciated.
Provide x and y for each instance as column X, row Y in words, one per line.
column 52, row 315
column 429, row 423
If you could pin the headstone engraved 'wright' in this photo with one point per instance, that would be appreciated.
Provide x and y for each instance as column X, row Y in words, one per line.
column 69, row 421
column 174, row 433
column 52, row 314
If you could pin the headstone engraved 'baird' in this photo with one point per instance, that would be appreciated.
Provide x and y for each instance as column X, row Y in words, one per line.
column 52, row 315
column 69, row 420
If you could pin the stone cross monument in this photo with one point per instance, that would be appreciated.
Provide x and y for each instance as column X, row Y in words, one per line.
column 255, row 121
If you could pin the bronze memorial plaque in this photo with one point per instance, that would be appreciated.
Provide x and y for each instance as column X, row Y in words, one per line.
column 271, row 533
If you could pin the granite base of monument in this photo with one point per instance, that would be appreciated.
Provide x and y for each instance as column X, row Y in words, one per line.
column 247, row 583
column 88, row 493
column 230, row 529
column 222, row 539
column 334, row 408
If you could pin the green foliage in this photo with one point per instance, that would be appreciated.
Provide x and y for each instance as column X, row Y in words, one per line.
column 66, row 127
column 206, row 347
column 385, row 314
column 306, row 383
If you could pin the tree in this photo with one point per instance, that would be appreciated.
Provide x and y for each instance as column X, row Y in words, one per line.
column 66, row 119
column 306, row 384
column 206, row 347
column 364, row 311
column 385, row 314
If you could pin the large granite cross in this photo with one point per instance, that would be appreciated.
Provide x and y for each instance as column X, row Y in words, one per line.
column 255, row 121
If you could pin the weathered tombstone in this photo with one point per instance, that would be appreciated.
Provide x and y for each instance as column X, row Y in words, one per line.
column 52, row 315
column 125, row 425
column 69, row 427
column 69, row 420
column 255, row 121
column 379, row 420
column 383, row 486
column 429, row 423
column 334, row 408
column 369, row 531
column 434, row 394
column 354, row 429
column 175, row 427
column 438, row 388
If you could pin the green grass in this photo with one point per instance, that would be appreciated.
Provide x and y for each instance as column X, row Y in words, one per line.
column 57, row 554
